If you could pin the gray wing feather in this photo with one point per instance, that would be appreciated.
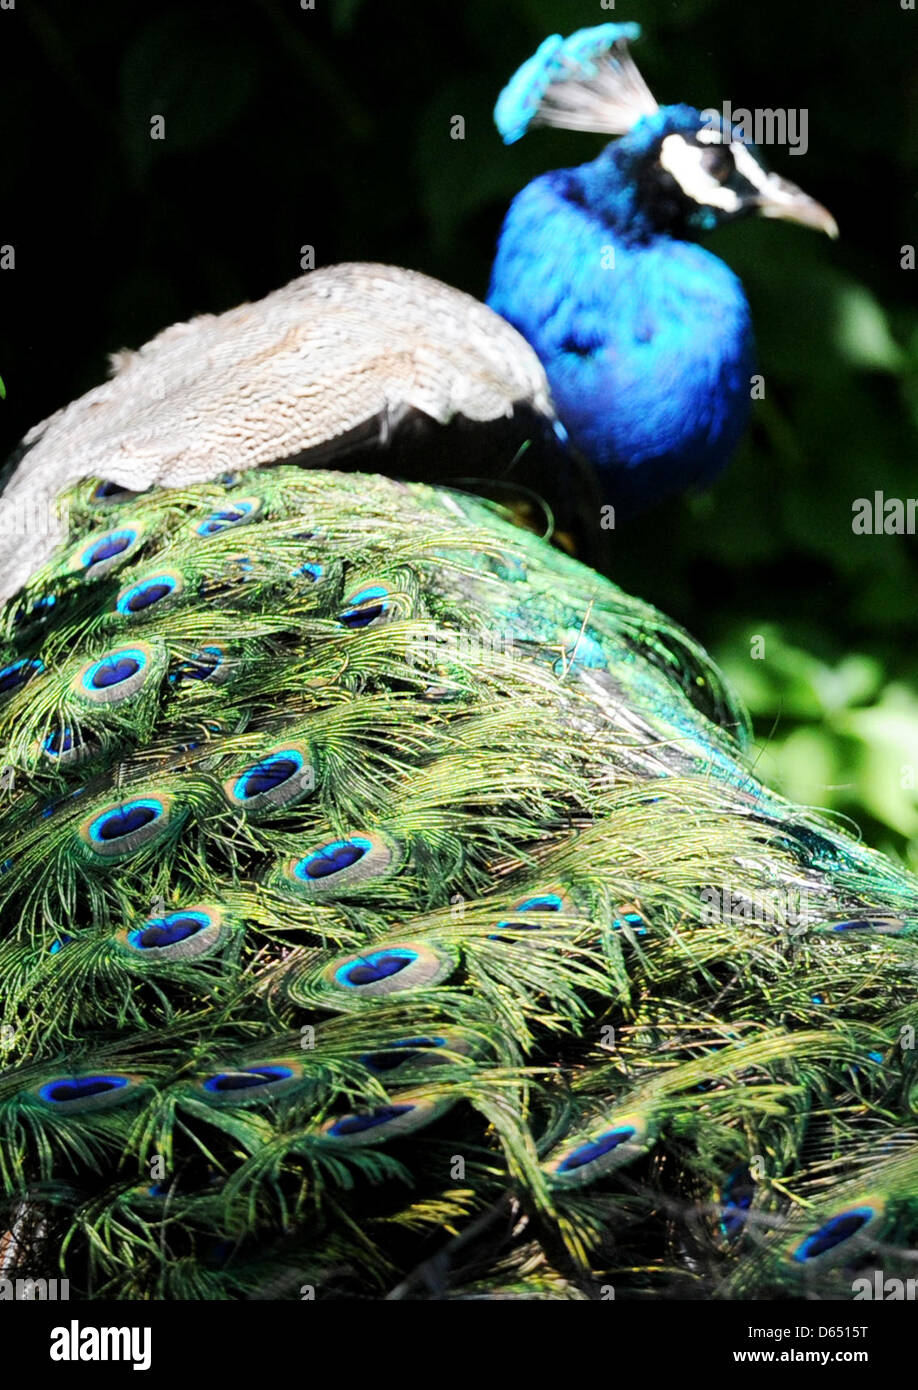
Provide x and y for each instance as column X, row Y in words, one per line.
column 314, row 366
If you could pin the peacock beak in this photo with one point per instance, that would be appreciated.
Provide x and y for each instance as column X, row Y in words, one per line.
column 782, row 199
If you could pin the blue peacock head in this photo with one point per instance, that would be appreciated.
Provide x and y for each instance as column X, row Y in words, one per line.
column 675, row 170
column 687, row 172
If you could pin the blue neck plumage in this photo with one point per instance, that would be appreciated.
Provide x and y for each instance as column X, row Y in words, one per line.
column 645, row 337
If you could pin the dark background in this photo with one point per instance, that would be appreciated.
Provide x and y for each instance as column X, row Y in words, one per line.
column 330, row 127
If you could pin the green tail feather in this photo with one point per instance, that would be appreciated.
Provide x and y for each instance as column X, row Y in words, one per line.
column 377, row 881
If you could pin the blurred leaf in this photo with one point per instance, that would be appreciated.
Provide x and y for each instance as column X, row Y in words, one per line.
column 888, row 734
column 794, row 683
column 862, row 332
column 804, row 766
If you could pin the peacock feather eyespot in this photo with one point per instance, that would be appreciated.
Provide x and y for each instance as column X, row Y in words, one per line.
column 839, row 1238
column 277, row 780
column 405, row 1115
column 411, row 1053
column 880, row 925
column 88, row 1092
column 119, row 675
column 629, row 917
column 108, row 493
column 370, row 604
column 37, row 612
column 14, row 676
column 386, row 970
column 552, row 900
column 736, row 1198
column 58, row 944
column 585, row 1160
column 236, row 513
column 106, row 552
column 186, row 934
column 211, row 664
column 121, row 828
column 253, row 1083
column 66, row 747
column 339, row 866
column 150, row 594
column 310, row 570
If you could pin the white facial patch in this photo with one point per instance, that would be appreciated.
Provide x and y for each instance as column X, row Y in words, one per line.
column 683, row 161
column 750, row 169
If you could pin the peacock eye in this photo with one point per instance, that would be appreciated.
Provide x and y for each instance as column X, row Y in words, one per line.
column 717, row 161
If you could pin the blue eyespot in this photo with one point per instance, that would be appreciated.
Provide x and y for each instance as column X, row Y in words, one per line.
column 186, row 934
column 158, row 932
column 736, row 1196
column 341, row 866
column 125, row 820
column 143, row 595
column 268, row 775
column 374, row 966
column 839, row 1229
column 359, row 1124
column 65, row 746
column 19, row 674
column 65, row 1090
column 332, row 858
column 201, row 666
column 883, row 926
column 40, row 608
column 57, row 946
column 398, row 1053
column 309, row 570
column 119, row 675
column 246, row 1078
column 110, row 492
column 114, row 670
column 634, row 920
column 391, row 969
column 109, row 547
column 365, row 606
column 226, row 518
column 596, row 1148
column 545, row 902
column 59, row 742
column 550, row 902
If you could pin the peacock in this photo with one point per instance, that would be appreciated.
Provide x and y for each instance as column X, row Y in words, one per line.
column 390, row 908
